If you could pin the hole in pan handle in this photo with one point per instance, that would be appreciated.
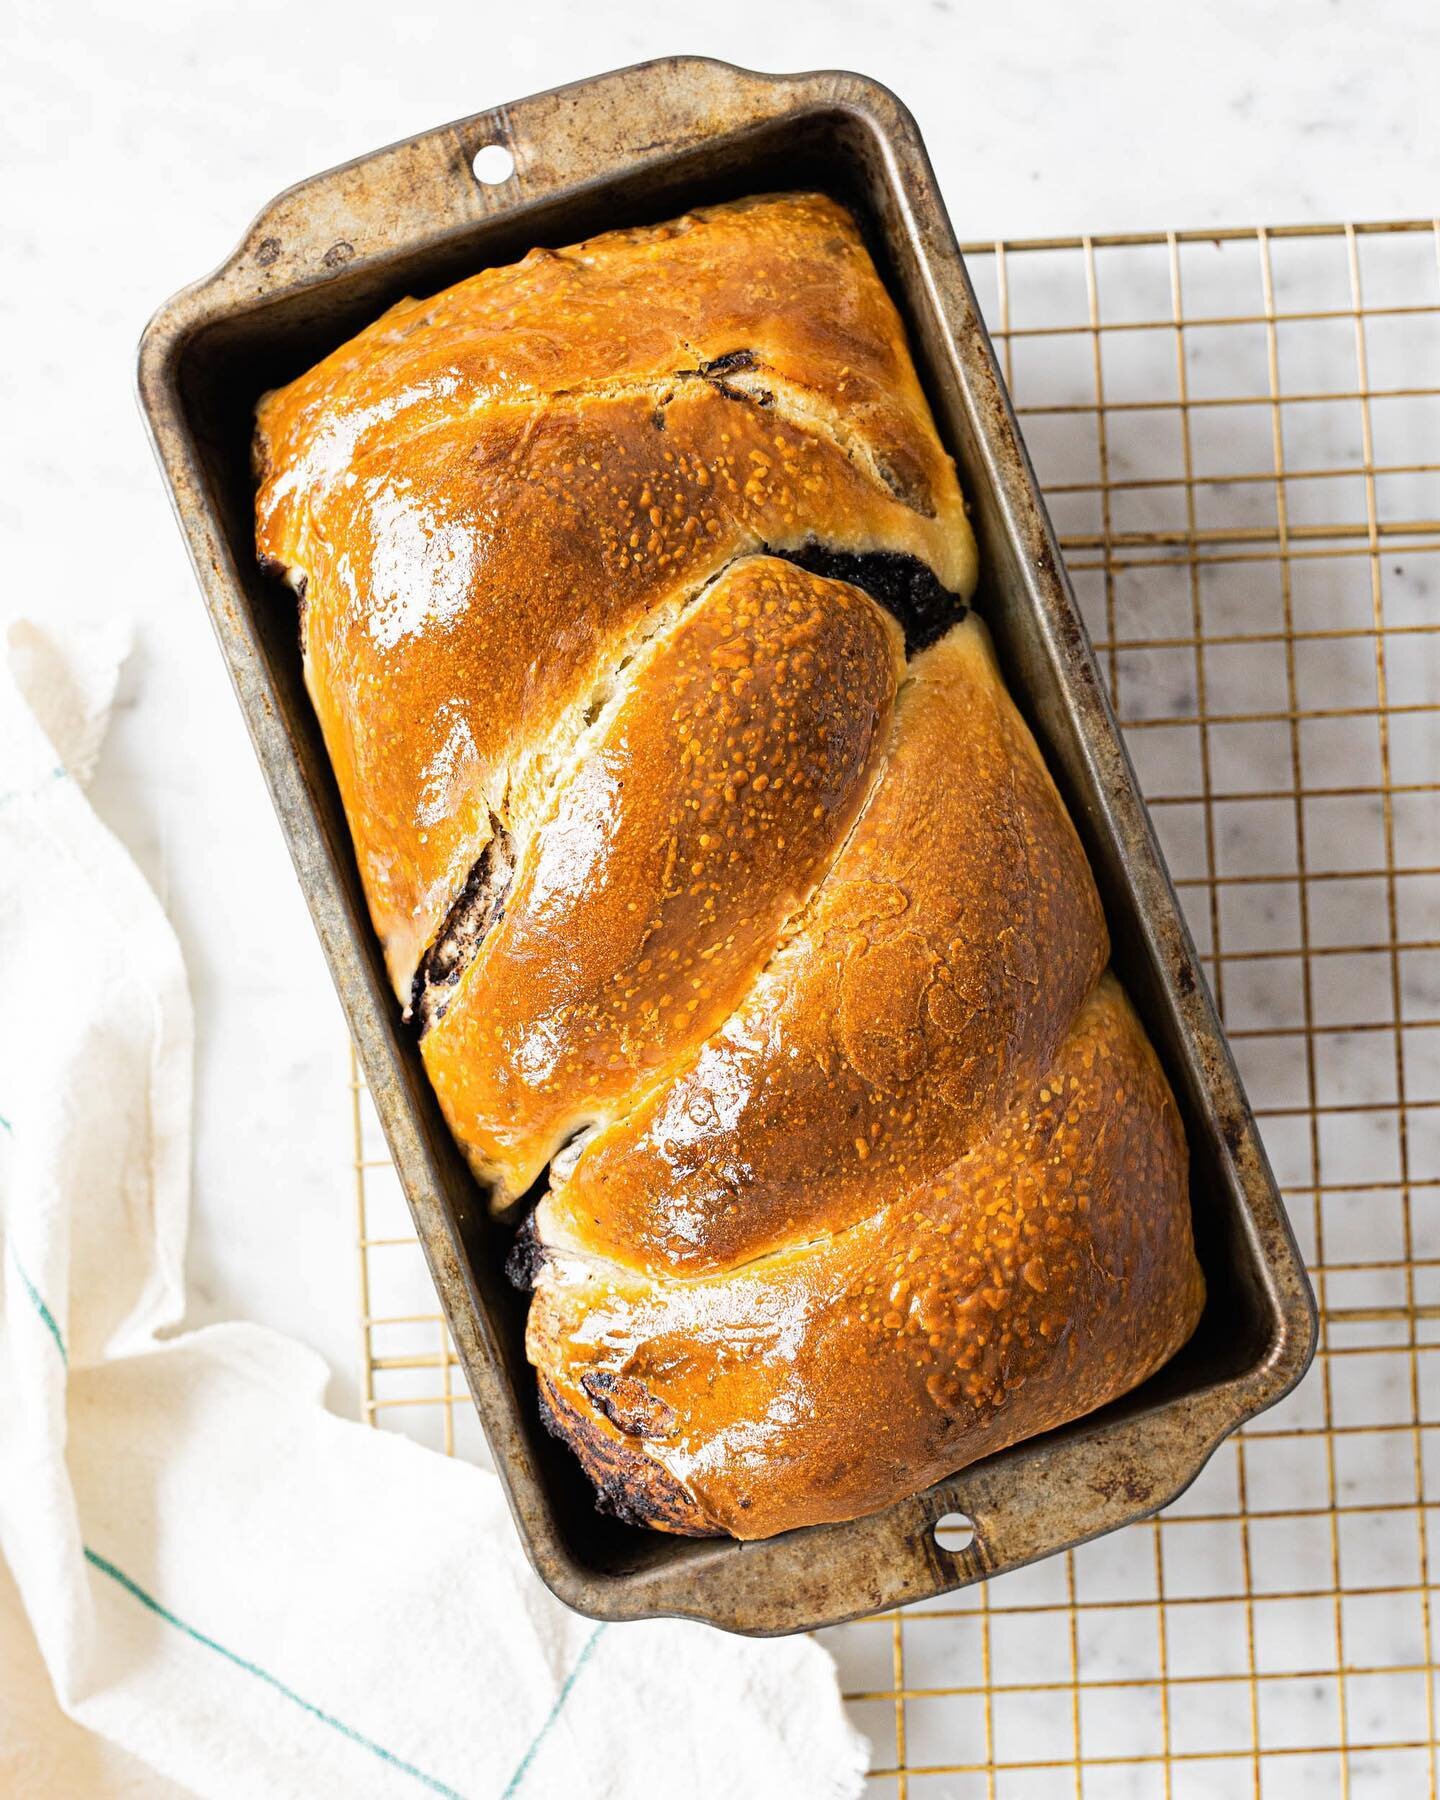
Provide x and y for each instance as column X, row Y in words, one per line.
column 954, row 1532
column 406, row 195
column 493, row 163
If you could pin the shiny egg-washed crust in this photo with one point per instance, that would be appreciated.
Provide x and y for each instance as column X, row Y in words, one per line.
column 935, row 974
column 778, row 947
column 708, row 804
column 488, row 494
column 1047, row 1271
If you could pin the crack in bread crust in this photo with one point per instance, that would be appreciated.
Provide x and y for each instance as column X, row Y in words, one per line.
column 740, row 377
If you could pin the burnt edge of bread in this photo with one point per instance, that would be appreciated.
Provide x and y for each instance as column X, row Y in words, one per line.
column 901, row 473
column 478, row 906
column 629, row 1485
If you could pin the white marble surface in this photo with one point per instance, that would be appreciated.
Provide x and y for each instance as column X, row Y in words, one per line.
column 141, row 141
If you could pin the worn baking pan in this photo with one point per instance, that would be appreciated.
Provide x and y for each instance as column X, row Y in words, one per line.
column 626, row 148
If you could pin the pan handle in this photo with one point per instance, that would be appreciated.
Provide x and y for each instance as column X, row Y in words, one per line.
column 427, row 188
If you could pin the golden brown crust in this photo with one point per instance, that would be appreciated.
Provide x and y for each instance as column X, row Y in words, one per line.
column 1048, row 1271
column 715, row 790
column 671, row 848
column 936, row 973
column 487, row 493
column 628, row 1484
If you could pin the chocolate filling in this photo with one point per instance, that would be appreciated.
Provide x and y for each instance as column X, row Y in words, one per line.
column 527, row 1256
column 903, row 585
column 735, row 362
column 628, row 1483
column 731, row 363
column 629, row 1405
column 479, row 905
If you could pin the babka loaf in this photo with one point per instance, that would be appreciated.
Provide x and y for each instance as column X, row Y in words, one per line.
column 741, row 922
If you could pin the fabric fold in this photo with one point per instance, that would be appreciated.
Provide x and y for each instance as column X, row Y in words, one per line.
column 214, row 1586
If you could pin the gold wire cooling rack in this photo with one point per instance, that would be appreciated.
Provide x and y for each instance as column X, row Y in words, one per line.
column 1239, row 436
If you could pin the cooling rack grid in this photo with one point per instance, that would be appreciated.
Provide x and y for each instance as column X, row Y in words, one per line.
column 1238, row 433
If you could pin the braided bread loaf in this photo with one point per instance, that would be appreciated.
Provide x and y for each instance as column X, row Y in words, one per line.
column 720, row 874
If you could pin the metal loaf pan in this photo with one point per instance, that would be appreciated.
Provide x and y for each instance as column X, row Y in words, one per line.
column 638, row 145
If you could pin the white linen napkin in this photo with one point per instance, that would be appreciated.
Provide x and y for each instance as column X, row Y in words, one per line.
column 214, row 1586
